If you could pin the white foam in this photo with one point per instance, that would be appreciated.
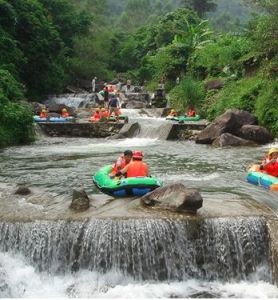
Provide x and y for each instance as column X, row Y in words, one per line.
column 25, row 282
column 189, row 176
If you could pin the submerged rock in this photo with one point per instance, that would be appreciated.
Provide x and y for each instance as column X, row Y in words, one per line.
column 23, row 190
column 80, row 200
column 175, row 197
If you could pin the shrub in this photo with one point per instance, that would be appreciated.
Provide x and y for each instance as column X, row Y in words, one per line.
column 188, row 93
column 16, row 119
column 266, row 107
column 241, row 94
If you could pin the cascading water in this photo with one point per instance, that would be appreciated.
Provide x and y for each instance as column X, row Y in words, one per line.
column 212, row 249
column 140, row 256
column 71, row 100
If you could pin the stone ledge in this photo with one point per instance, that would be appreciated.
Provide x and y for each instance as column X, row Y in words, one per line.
column 90, row 130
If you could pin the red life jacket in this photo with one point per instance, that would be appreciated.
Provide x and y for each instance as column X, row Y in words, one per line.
column 65, row 114
column 137, row 168
column 272, row 169
column 43, row 115
column 191, row 113
column 95, row 117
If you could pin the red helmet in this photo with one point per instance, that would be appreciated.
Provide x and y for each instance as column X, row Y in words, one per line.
column 138, row 154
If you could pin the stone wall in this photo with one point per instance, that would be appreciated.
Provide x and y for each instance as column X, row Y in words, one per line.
column 91, row 130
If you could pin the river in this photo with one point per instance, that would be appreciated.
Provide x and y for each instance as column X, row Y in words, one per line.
column 57, row 165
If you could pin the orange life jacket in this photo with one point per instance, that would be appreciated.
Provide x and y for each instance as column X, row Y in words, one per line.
column 95, row 117
column 65, row 114
column 105, row 114
column 137, row 168
column 118, row 165
column 43, row 115
column 173, row 114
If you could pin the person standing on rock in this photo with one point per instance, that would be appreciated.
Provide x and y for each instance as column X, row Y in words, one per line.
column 128, row 85
column 113, row 105
column 106, row 96
column 94, row 84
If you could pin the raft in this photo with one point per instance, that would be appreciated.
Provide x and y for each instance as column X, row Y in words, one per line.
column 119, row 118
column 256, row 177
column 132, row 186
column 183, row 118
column 53, row 119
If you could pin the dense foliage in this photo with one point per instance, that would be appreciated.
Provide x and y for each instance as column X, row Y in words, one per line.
column 46, row 45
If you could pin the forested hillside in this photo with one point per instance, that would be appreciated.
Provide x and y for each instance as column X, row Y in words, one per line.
column 49, row 44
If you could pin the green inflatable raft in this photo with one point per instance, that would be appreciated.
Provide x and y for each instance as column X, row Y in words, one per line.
column 184, row 118
column 132, row 186
column 118, row 118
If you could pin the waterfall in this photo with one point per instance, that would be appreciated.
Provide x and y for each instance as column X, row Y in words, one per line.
column 162, row 249
column 156, row 130
column 71, row 100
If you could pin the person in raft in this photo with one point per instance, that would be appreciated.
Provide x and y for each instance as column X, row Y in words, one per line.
column 95, row 116
column 136, row 168
column 173, row 113
column 191, row 112
column 104, row 114
column 64, row 113
column 121, row 162
column 270, row 163
column 43, row 114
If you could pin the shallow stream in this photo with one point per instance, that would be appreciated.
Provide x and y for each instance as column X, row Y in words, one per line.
column 58, row 165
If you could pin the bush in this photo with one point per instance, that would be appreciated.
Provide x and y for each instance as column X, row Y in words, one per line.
column 266, row 107
column 10, row 88
column 220, row 57
column 15, row 119
column 188, row 93
column 16, row 124
column 241, row 94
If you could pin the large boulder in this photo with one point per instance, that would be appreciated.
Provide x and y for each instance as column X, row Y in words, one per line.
column 228, row 139
column 57, row 108
column 231, row 121
column 255, row 133
column 175, row 197
column 80, row 200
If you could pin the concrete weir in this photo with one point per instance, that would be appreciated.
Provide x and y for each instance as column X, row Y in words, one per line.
column 227, row 239
column 172, row 131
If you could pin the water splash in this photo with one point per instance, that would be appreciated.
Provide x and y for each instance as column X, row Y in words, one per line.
column 212, row 249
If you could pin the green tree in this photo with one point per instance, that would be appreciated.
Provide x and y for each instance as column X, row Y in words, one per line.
column 15, row 119
column 68, row 22
column 200, row 6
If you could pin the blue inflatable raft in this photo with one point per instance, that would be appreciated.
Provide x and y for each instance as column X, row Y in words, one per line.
column 53, row 119
column 256, row 177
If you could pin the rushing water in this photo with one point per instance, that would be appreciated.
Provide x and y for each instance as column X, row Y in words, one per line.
column 58, row 165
